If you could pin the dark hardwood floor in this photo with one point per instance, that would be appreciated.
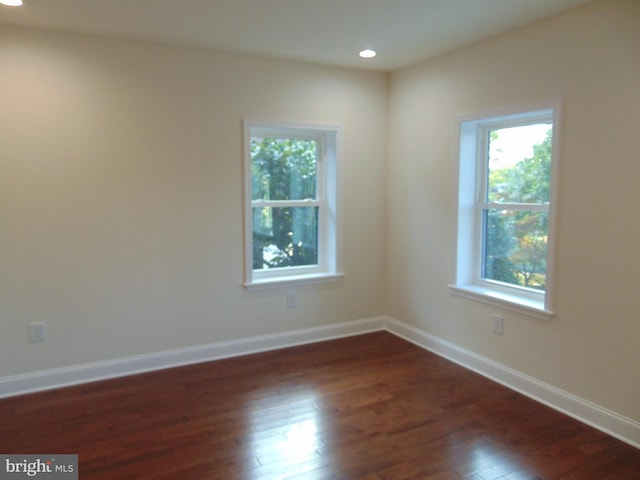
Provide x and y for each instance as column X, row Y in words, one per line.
column 368, row 407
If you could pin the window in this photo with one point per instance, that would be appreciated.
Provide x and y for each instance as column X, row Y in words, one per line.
column 505, row 210
column 291, row 212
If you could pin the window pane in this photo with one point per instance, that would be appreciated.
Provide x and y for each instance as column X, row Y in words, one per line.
column 283, row 168
column 285, row 237
column 515, row 247
column 519, row 166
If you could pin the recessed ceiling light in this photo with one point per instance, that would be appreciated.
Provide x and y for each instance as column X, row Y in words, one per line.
column 11, row 3
column 367, row 53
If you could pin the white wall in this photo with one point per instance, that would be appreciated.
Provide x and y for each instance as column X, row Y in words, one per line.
column 121, row 195
column 591, row 59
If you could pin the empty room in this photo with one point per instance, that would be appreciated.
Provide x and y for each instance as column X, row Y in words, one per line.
column 319, row 239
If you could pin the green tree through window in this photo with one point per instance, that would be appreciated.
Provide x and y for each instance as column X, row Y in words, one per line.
column 284, row 191
column 515, row 218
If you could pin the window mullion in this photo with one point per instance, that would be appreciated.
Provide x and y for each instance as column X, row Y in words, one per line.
column 285, row 203
column 528, row 207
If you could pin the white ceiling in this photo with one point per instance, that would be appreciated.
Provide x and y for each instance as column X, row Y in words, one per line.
column 330, row 32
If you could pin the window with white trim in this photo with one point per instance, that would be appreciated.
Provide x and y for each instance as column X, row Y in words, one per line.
column 291, row 211
column 505, row 210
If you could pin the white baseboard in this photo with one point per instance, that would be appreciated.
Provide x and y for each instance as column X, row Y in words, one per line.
column 611, row 423
column 119, row 367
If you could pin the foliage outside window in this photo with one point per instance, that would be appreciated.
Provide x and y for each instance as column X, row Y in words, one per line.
column 284, row 202
column 505, row 179
column 291, row 176
column 515, row 205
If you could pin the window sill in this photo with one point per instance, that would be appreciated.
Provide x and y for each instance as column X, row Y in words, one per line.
column 514, row 303
column 292, row 281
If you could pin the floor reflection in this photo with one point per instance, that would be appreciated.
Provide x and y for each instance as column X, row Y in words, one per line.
column 284, row 436
column 485, row 458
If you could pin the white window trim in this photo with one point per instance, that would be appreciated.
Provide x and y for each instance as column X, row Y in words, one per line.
column 466, row 262
column 329, row 267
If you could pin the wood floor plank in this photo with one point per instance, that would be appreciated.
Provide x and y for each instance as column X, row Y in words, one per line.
column 370, row 407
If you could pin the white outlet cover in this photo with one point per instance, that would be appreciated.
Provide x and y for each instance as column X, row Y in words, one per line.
column 498, row 324
column 37, row 332
column 291, row 299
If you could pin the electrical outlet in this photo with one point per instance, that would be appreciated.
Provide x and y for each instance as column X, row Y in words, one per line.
column 498, row 324
column 292, row 299
column 37, row 332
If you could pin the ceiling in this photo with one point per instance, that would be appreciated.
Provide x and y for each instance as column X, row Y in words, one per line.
column 328, row 32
